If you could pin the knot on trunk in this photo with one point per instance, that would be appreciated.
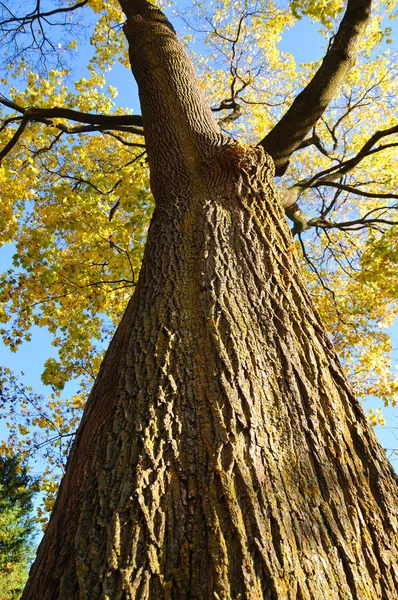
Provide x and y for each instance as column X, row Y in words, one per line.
column 235, row 163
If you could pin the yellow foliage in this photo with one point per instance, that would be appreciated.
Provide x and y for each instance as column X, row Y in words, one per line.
column 376, row 417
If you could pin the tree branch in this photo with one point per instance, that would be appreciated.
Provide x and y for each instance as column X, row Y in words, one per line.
column 290, row 131
column 337, row 171
column 302, row 222
column 73, row 115
column 102, row 128
column 32, row 27
column 329, row 176
column 36, row 14
column 8, row 147
column 127, row 123
column 353, row 190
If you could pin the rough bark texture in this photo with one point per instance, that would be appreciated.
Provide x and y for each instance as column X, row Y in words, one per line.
column 222, row 451
column 222, row 454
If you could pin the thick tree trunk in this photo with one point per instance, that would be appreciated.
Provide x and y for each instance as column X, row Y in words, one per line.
column 221, row 454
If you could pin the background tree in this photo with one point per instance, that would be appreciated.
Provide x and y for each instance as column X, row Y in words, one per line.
column 221, row 452
column 17, row 526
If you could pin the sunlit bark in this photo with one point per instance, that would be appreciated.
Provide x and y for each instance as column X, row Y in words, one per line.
column 221, row 454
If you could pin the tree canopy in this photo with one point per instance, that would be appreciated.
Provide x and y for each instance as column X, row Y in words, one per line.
column 74, row 179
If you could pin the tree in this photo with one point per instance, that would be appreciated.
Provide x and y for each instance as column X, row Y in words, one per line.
column 16, row 526
column 222, row 452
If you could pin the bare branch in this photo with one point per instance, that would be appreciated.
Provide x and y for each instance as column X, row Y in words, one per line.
column 329, row 176
column 29, row 18
column 337, row 171
column 315, row 270
column 375, row 218
column 122, row 141
column 314, row 140
column 353, row 190
column 309, row 105
column 26, row 35
column 229, row 105
column 353, row 105
column 32, row 26
column 353, row 225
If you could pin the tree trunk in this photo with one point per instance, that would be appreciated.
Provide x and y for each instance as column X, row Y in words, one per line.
column 221, row 454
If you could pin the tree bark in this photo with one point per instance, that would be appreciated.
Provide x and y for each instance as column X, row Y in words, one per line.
column 221, row 454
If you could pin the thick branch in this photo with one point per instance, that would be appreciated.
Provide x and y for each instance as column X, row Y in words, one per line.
column 104, row 123
column 10, row 145
column 57, row 112
column 289, row 133
column 180, row 129
column 102, row 128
